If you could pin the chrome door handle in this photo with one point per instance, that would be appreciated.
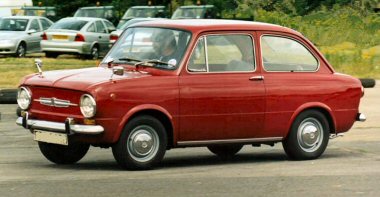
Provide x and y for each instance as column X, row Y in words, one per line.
column 256, row 78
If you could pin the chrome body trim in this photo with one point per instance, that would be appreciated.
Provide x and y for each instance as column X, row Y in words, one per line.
column 229, row 141
column 55, row 102
column 60, row 127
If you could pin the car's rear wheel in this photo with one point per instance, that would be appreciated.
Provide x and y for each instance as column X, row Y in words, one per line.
column 21, row 50
column 225, row 151
column 51, row 54
column 142, row 145
column 308, row 137
column 94, row 53
column 61, row 154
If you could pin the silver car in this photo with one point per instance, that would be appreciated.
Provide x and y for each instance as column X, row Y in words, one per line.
column 22, row 34
column 78, row 35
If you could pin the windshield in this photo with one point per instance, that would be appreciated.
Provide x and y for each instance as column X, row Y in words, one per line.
column 95, row 12
column 142, row 12
column 70, row 24
column 149, row 44
column 188, row 13
column 13, row 24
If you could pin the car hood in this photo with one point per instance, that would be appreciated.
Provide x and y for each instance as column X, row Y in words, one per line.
column 78, row 79
column 6, row 35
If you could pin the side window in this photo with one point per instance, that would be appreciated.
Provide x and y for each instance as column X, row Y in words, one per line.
column 110, row 26
column 45, row 24
column 91, row 28
column 100, row 27
column 286, row 55
column 34, row 25
column 223, row 53
column 197, row 62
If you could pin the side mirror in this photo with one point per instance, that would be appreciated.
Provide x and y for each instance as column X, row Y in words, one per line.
column 118, row 70
column 31, row 31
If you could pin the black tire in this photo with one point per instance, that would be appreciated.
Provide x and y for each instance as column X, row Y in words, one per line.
column 149, row 147
column 368, row 83
column 94, row 54
column 308, row 136
column 51, row 54
column 61, row 154
column 21, row 50
column 225, row 151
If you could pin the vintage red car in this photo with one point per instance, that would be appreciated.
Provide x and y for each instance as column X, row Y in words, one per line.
column 185, row 83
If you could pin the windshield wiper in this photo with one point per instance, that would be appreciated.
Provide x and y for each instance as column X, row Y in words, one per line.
column 129, row 59
column 151, row 63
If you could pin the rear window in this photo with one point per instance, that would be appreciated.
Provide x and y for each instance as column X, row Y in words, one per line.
column 70, row 24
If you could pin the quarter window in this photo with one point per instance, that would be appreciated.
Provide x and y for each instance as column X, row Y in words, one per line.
column 45, row 24
column 91, row 28
column 287, row 55
column 100, row 27
column 223, row 53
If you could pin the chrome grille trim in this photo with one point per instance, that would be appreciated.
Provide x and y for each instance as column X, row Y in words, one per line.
column 55, row 102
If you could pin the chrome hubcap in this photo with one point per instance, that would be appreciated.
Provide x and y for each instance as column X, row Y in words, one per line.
column 21, row 51
column 95, row 53
column 143, row 143
column 310, row 134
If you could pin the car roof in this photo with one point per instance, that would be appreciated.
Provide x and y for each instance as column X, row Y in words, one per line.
column 85, row 18
column 148, row 7
column 202, row 25
column 24, row 17
column 38, row 7
column 196, row 6
column 97, row 7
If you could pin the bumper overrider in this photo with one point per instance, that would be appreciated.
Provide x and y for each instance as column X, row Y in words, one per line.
column 68, row 127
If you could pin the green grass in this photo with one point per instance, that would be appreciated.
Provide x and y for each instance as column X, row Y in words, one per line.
column 13, row 69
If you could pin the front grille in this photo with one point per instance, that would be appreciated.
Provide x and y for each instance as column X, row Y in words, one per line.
column 55, row 104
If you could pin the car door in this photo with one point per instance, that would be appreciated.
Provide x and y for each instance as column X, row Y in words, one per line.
column 34, row 34
column 102, row 36
column 222, row 94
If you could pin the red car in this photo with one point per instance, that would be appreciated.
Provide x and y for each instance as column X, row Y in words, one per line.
column 185, row 83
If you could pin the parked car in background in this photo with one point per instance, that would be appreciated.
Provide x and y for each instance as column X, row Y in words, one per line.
column 106, row 12
column 119, row 30
column 220, row 84
column 20, row 35
column 11, row 7
column 195, row 11
column 77, row 35
column 48, row 12
column 143, row 12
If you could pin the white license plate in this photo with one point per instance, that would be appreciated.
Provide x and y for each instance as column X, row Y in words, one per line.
column 51, row 137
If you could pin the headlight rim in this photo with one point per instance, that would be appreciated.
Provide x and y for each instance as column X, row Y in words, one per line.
column 29, row 94
column 94, row 105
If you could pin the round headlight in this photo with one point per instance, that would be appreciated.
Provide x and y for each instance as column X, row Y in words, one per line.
column 87, row 106
column 24, row 98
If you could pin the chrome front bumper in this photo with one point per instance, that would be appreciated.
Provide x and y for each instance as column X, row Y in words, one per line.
column 59, row 127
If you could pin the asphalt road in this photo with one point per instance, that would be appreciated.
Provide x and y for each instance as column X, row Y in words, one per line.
column 349, row 167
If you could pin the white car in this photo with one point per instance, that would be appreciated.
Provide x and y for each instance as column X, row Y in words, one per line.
column 22, row 34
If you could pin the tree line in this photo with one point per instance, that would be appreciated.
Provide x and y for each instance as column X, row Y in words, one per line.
column 290, row 7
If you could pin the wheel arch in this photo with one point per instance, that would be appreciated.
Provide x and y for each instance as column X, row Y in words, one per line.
column 324, row 109
column 155, row 111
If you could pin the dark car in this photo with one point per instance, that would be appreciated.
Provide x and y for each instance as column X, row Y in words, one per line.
column 196, row 12
column 48, row 12
column 143, row 12
column 106, row 12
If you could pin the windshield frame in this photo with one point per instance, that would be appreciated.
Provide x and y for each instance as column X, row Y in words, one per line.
column 180, row 61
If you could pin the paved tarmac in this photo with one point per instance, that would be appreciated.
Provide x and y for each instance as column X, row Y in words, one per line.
column 349, row 167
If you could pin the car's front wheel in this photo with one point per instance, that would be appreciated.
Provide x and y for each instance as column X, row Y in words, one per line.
column 142, row 144
column 61, row 154
column 21, row 50
column 308, row 137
